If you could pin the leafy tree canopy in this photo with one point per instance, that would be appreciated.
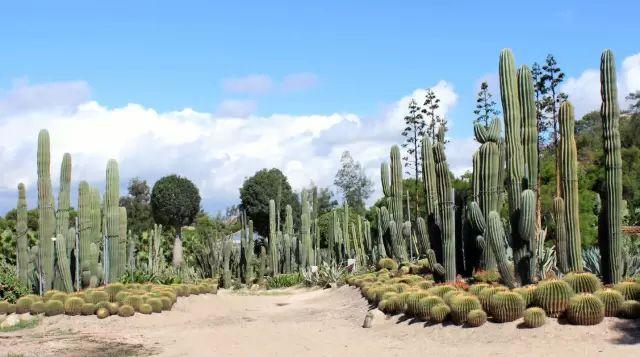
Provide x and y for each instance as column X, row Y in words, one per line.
column 175, row 201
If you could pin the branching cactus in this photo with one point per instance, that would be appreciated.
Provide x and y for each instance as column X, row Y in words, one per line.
column 22, row 244
column 46, row 214
column 569, row 184
column 610, row 228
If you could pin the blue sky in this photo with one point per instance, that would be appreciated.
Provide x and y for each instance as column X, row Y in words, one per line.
column 294, row 58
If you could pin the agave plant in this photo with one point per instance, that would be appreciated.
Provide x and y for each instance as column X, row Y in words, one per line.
column 591, row 257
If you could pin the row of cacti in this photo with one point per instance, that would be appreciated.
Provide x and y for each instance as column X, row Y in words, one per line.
column 124, row 300
column 95, row 247
column 579, row 297
column 506, row 168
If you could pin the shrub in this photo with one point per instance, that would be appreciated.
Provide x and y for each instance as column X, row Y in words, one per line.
column 283, row 281
column 11, row 288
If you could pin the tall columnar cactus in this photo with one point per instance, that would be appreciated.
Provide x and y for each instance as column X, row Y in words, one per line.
column 226, row 254
column 112, row 216
column 396, row 186
column 610, row 228
column 96, row 216
column 85, row 230
column 132, row 242
column 561, row 234
column 380, row 249
column 522, row 253
column 122, row 241
column 446, row 212
column 569, row 185
column 250, row 256
column 64, row 199
column 305, row 231
column 273, row 237
column 486, row 187
column 63, row 263
column 22, row 244
column 337, row 237
column 345, row 231
column 495, row 242
column 46, row 214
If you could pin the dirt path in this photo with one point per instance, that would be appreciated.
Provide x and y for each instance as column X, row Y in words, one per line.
column 306, row 323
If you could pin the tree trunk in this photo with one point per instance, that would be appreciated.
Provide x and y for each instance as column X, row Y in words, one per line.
column 177, row 249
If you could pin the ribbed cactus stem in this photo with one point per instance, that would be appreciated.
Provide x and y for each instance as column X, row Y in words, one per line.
column 345, row 230
column 226, row 265
column 528, row 114
column 22, row 244
column 273, row 234
column 430, row 191
column 46, row 214
column 515, row 161
column 85, row 228
column 561, row 234
column 495, row 238
column 305, row 231
column 569, row 185
column 63, row 263
column 446, row 212
column 396, row 185
column 610, row 230
column 122, row 241
column 112, row 216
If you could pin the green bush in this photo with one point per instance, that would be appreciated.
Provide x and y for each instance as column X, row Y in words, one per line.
column 11, row 288
column 284, row 281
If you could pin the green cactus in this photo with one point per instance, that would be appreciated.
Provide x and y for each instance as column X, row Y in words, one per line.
column 73, row 306
column 88, row 309
column 476, row 288
column 612, row 300
column 527, row 293
column 630, row 309
column 461, row 306
column 585, row 309
column 507, row 306
column 583, row 282
column 226, row 273
column 62, row 265
column 610, row 228
column 37, row 308
column 64, row 202
column 413, row 307
column 439, row 313
column 561, row 234
column 22, row 245
column 112, row 219
column 122, row 241
column 534, row 317
column 522, row 252
column 445, row 211
column 273, row 237
column 23, row 305
column 431, row 193
column 569, row 185
column 495, row 237
column 476, row 318
column 486, row 294
column 629, row 289
column 46, row 214
column 102, row 313
column 126, row 311
column 424, row 305
column 53, row 308
column 305, row 231
column 553, row 296
column 146, row 309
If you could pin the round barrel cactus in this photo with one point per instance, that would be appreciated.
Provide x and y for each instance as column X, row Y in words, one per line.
column 23, row 305
column 126, row 311
column 102, row 313
column 553, row 296
column 88, row 309
column 73, row 306
column 53, row 308
column 37, row 308
column 439, row 313
column 629, row 289
column 146, row 309
column 585, row 309
column 527, row 293
column 583, row 282
column 507, row 306
column 612, row 300
column 630, row 309
column 475, row 289
column 534, row 317
column 461, row 305
column 476, row 318
column 486, row 294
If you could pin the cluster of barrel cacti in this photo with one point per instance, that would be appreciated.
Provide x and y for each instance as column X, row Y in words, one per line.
column 469, row 235
column 578, row 297
column 70, row 257
column 124, row 300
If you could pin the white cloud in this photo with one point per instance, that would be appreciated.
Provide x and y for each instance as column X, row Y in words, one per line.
column 57, row 95
column 298, row 81
column 250, row 84
column 236, row 108
column 216, row 151
column 584, row 91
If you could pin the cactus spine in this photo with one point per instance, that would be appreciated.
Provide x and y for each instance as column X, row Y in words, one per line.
column 22, row 244
column 610, row 229
column 112, row 219
column 569, row 177
column 46, row 218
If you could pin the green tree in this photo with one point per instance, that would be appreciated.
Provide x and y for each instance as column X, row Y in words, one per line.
column 138, row 205
column 634, row 106
column 175, row 202
column 485, row 105
column 257, row 190
column 352, row 182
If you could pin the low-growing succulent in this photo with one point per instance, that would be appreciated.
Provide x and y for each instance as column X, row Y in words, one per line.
column 60, row 296
column 629, row 289
column 146, row 309
column 167, row 304
column 534, row 317
column 553, row 296
column 612, row 300
column 126, row 311
column 476, row 318
column 88, row 309
column 630, row 309
column 585, row 309
column 450, row 295
column 424, row 305
column 485, row 295
column 461, row 305
column 102, row 313
column 506, row 306
column 440, row 290
column 583, row 282
column 156, row 304
column 53, row 308
column 439, row 313
column 73, row 306
column 23, row 305
column 37, row 308
column 412, row 301
column 475, row 289
column 527, row 293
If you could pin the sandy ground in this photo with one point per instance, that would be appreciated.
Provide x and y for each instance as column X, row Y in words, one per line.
column 306, row 323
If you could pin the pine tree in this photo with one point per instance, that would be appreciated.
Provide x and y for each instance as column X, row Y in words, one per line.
column 485, row 106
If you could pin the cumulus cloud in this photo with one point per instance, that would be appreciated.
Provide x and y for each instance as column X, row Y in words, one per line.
column 250, row 84
column 58, row 95
column 216, row 150
column 584, row 90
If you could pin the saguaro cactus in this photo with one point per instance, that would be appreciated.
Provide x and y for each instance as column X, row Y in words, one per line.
column 63, row 263
column 446, row 212
column 569, row 176
column 610, row 228
column 112, row 215
column 46, row 215
column 22, row 254
column 305, row 231
column 273, row 234
column 64, row 199
column 122, row 240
